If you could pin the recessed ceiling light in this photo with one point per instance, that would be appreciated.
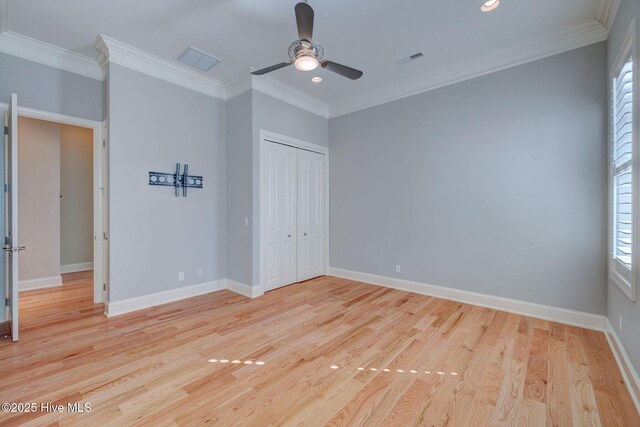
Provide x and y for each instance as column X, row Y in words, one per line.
column 489, row 5
column 316, row 79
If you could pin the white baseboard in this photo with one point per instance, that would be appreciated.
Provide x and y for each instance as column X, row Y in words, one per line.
column 545, row 312
column 629, row 374
column 40, row 283
column 243, row 289
column 116, row 308
column 72, row 268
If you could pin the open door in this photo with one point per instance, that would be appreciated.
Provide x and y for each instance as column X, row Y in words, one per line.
column 104, row 193
column 11, row 246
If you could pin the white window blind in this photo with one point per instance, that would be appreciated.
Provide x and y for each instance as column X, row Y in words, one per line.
column 623, row 170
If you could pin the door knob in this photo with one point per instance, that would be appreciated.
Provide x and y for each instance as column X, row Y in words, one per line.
column 22, row 248
column 305, row 234
column 289, row 235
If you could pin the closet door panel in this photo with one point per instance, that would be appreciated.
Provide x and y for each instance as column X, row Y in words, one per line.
column 280, row 198
column 304, row 254
column 318, row 216
column 271, row 223
column 287, row 201
column 310, row 215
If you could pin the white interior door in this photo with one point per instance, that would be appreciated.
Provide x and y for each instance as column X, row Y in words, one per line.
column 280, row 222
column 11, row 247
column 310, row 214
column 104, row 194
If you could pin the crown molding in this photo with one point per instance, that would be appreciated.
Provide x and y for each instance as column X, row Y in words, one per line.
column 606, row 14
column 276, row 89
column 119, row 53
column 146, row 63
column 238, row 86
column 558, row 42
column 44, row 53
column 290, row 95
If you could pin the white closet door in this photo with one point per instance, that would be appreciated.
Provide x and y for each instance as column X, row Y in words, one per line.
column 310, row 215
column 280, row 245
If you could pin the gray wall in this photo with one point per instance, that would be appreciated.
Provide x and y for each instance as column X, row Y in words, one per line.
column 495, row 185
column 273, row 115
column 50, row 89
column 76, row 195
column 154, row 235
column 239, row 181
column 39, row 199
column 618, row 304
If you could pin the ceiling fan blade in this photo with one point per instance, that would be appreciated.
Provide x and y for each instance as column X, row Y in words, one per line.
column 343, row 70
column 270, row 69
column 304, row 19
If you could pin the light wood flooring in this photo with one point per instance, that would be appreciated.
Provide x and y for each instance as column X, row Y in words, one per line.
column 324, row 352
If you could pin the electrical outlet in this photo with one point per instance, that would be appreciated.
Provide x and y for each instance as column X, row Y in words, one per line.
column 246, row 220
column 620, row 323
column 181, row 276
column 199, row 273
column 398, row 268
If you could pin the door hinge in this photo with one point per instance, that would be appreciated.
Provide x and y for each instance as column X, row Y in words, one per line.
column 104, row 236
column 6, row 302
column 104, row 286
column 6, row 130
column 104, row 143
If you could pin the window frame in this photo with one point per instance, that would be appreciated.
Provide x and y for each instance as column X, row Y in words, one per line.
column 628, row 50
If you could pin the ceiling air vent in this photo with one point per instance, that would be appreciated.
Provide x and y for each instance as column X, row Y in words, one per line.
column 404, row 60
column 198, row 59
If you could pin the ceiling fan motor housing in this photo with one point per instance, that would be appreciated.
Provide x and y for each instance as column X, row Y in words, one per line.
column 301, row 48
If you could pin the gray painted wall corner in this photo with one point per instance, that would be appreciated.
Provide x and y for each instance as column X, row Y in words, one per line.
column 239, row 181
column 518, row 155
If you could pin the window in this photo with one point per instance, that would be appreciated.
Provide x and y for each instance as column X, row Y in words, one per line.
column 623, row 167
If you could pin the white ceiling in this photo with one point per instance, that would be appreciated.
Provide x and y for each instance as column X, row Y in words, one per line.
column 366, row 34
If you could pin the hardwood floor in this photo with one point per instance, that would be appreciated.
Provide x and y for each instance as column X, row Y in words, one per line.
column 324, row 352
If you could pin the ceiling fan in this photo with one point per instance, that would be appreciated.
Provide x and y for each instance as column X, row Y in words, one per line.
column 305, row 54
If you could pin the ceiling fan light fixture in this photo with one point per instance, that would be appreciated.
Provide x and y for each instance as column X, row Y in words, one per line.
column 307, row 55
column 316, row 79
column 490, row 5
column 306, row 63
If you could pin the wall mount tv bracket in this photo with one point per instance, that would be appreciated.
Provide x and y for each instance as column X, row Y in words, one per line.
column 176, row 180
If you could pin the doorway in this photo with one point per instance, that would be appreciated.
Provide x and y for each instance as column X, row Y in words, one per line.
column 53, row 206
column 293, row 206
column 55, row 202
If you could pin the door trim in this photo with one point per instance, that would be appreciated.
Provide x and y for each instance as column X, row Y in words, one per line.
column 96, row 127
column 265, row 137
